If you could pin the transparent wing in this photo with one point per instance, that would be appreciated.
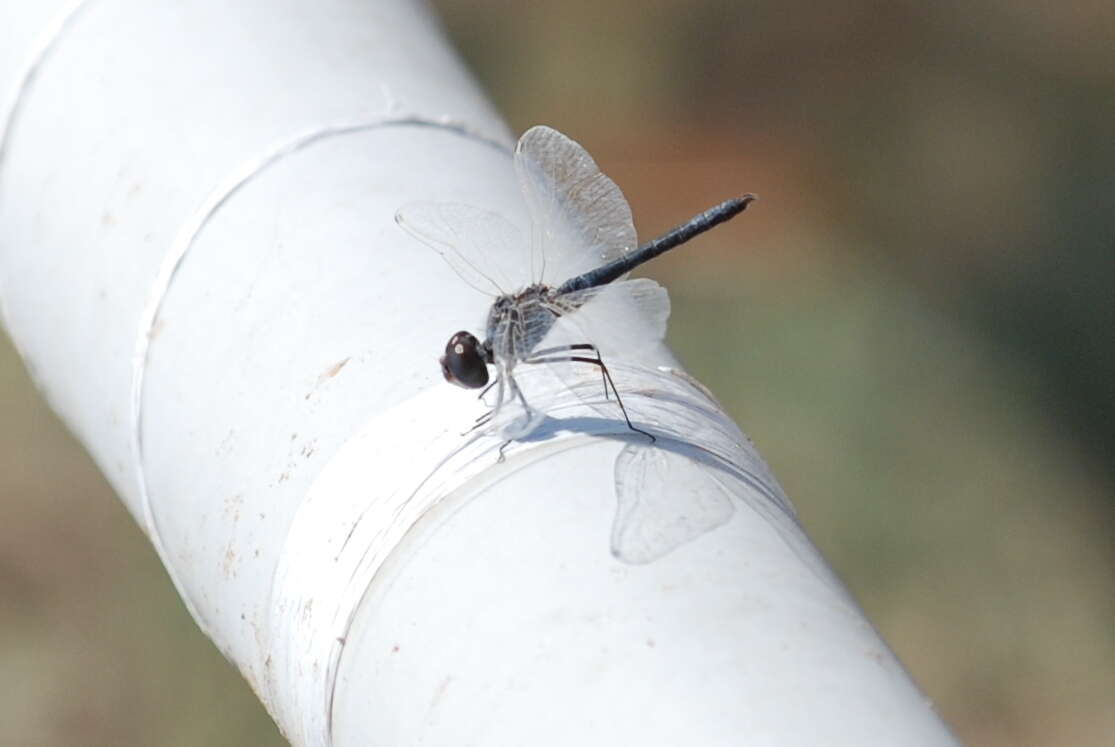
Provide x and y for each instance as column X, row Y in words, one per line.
column 620, row 318
column 580, row 219
column 479, row 245
column 664, row 499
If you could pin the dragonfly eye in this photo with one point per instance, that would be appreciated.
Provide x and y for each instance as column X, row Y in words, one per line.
column 463, row 363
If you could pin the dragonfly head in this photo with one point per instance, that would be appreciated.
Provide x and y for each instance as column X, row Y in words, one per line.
column 465, row 362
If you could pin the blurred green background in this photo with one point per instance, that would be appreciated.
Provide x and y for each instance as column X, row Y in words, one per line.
column 915, row 325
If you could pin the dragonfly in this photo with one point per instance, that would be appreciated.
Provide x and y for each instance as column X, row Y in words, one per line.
column 582, row 237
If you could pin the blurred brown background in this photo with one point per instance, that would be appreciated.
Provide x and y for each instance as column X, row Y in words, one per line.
column 915, row 325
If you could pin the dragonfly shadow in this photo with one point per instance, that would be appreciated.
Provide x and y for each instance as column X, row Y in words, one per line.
column 601, row 427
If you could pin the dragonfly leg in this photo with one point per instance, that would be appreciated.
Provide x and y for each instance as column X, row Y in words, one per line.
column 487, row 417
column 492, row 411
column 488, row 388
column 579, row 346
column 517, row 392
column 597, row 361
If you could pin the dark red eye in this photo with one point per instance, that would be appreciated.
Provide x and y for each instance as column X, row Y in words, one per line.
column 463, row 363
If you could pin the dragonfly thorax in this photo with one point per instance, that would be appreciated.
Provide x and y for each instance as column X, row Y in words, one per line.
column 517, row 322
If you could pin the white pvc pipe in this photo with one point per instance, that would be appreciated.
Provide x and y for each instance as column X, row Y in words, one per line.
column 200, row 266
